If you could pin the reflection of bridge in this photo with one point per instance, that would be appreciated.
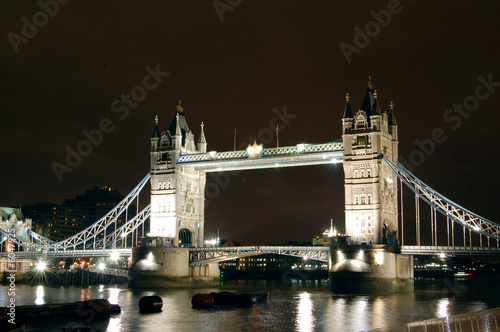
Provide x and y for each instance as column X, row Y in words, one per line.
column 373, row 198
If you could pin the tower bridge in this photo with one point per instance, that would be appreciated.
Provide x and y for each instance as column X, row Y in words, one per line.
column 374, row 220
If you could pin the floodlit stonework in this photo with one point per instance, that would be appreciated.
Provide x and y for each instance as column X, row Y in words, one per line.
column 177, row 192
column 371, row 194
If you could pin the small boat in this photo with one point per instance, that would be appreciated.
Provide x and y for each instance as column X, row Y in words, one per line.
column 229, row 299
column 462, row 274
column 94, row 307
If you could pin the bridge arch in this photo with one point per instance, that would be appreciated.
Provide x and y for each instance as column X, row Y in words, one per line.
column 185, row 238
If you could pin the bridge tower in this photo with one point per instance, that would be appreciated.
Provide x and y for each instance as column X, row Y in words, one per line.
column 177, row 193
column 371, row 194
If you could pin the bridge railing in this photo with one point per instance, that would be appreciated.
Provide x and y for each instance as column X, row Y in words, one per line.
column 450, row 250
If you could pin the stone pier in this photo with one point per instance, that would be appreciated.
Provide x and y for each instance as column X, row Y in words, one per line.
column 164, row 267
column 369, row 269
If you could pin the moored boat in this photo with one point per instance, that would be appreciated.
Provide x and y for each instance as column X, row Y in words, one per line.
column 229, row 299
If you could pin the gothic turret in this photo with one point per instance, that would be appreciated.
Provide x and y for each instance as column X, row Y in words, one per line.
column 202, row 143
column 370, row 186
column 177, row 192
column 348, row 118
column 392, row 123
column 155, row 138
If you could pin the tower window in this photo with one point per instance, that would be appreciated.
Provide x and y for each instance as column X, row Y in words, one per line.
column 361, row 140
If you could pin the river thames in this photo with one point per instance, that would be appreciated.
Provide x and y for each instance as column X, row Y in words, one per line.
column 293, row 306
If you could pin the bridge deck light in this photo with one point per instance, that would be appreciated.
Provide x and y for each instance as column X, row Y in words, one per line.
column 115, row 256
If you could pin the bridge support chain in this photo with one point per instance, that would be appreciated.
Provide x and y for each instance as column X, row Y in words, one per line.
column 168, row 267
column 369, row 269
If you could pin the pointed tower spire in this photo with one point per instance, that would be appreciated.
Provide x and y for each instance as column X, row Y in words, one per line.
column 392, row 115
column 375, row 107
column 348, row 110
column 156, row 130
column 155, row 138
column 202, row 143
column 202, row 134
column 370, row 86
column 177, row 126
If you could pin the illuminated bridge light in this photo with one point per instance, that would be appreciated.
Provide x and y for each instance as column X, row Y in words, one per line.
column 41, row 266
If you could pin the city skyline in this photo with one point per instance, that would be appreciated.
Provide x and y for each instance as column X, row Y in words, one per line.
column 242, row 68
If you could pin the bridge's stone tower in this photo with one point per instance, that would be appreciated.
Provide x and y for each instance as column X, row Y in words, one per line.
column 177, row 193
column 371, row 197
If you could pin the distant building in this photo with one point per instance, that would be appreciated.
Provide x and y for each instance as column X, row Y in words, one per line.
column 13, row 218
column 58, row 222
column 326, row 237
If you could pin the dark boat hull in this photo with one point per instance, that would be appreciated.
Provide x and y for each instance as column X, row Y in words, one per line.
column 229, row 299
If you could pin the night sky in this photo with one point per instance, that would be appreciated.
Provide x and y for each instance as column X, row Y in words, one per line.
column 69, row 73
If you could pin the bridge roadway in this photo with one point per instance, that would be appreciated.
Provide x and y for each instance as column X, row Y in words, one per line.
column 204, row 255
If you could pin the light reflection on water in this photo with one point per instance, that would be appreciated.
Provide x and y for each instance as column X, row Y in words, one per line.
column 39, row 295
column 305, row 318
column 443, row 307
column 292, row 308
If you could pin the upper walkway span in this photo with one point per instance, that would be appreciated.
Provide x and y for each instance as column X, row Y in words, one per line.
column 257, row 157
